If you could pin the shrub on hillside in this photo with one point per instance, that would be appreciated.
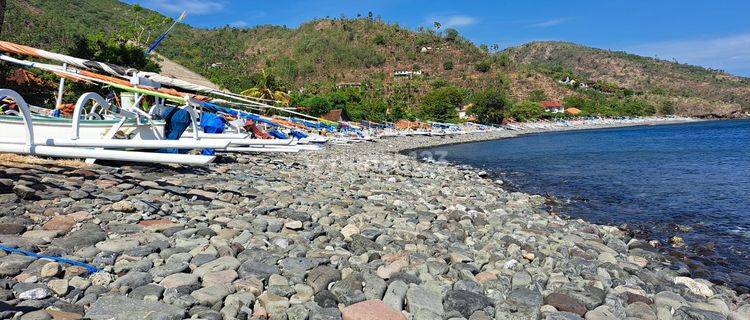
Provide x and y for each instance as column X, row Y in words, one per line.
column 451, row 35
column 448, row 65
column 379, row 39
column 667, row 107
column 483, row 66
column 537, row 96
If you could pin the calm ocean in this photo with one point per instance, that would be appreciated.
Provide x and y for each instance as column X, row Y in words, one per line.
column 690, row 180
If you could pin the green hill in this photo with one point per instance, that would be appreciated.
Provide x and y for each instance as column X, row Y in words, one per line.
column 696, row 90
column 321, row 56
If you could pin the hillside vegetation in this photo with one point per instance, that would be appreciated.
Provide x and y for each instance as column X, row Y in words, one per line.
column 349, row 63
column 695, row 90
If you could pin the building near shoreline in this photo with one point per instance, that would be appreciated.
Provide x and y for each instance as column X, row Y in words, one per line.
column 553, row 106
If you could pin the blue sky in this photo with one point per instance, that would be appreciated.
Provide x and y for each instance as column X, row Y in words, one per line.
column 714, row 34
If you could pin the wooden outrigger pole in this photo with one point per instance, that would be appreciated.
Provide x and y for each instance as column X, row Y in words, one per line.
column 132, row 75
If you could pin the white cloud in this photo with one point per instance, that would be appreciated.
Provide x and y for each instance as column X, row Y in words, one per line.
column 452, row 21
column 193, row 7
column 239, row 24
column 459, row 21
column 549, row 23
column 730, row 53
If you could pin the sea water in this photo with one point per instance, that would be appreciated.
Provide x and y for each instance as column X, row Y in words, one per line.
column 690, row 180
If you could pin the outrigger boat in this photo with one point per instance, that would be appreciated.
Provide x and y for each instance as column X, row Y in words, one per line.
column 148, row 129
column 61, row 147
column 119, row 131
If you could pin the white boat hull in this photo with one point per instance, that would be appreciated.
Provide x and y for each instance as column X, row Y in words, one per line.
column 54, row 128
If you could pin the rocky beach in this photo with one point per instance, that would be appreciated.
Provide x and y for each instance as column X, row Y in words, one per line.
column 357, row 231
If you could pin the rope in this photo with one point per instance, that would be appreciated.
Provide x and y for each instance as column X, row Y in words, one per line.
column 89, row 268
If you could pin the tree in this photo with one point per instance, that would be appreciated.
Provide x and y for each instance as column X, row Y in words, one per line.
column 525, row 111
column 316, row 105
column 442, row 104
column 489, row 106
column 266, row 87
column 437, row 25
column 2, row 14
column 117, row 52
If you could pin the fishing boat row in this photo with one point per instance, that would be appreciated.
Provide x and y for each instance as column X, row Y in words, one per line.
column 148, row 117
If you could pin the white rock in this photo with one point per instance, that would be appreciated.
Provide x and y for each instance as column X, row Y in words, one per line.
column 349, row 231
column 696, row 287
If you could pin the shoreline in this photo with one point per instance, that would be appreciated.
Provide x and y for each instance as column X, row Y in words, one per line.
column 688, row 256
column 322, row 235
column 505, row 134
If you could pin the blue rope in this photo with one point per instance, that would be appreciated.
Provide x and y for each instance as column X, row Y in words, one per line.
column 89, row 268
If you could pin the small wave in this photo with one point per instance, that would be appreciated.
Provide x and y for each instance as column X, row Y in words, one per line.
column 741, row 231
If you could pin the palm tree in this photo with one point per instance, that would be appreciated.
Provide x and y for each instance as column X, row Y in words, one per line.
column 2, row 14
column 266, row 88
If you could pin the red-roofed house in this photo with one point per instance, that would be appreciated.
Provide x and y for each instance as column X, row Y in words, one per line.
column 553, row 106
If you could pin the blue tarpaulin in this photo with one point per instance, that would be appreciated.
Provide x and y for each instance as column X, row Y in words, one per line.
column 278, row 134
column 298, row 134
column 177, row 120
column 212, row 123
column 239, row 114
